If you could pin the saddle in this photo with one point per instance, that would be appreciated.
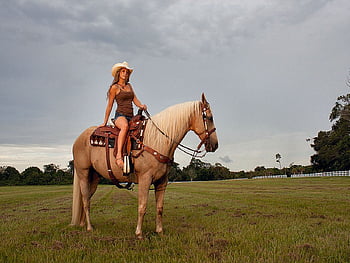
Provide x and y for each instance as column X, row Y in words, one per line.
column 109, row 135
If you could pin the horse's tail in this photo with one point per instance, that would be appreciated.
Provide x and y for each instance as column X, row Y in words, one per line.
column 77, row 207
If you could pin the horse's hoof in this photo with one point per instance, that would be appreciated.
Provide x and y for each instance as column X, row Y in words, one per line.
column 139, row 237
column 161, row 233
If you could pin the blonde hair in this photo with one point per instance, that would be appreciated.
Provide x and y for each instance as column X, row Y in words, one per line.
column 173, row 121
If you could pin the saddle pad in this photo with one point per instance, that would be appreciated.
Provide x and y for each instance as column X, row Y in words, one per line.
column 99, row 136
column 96, row 140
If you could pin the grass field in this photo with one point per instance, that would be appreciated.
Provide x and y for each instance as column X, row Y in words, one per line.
column 268, row 220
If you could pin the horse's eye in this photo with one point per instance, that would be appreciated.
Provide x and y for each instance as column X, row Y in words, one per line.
column 210, row 118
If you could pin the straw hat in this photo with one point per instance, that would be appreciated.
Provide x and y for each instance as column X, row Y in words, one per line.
column 118, row 66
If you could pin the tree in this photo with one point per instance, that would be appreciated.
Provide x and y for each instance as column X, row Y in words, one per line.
column 220, row 172
column 278, row 159
column 240, row 174
column 193, row 171
column 175, row 173
column 50, row 168
column 61, row 177
column 9, row 176
column 51, row 175
column 33, row 176
column 190, row 173
column 71, row 166
column 341, row 109
column 333, row 147
column 201, row 171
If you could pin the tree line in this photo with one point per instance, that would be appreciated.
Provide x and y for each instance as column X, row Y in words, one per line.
column 201, row 171
column 197, row 170
column 51, row 175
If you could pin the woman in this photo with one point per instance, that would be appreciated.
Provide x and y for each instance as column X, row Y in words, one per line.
column 122, row 92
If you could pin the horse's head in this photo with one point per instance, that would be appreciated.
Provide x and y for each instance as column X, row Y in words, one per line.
column 203, row 126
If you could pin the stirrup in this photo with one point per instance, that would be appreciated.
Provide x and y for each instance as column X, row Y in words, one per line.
column 126, row 169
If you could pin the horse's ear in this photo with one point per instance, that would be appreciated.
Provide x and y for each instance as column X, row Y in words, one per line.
column 204, row 100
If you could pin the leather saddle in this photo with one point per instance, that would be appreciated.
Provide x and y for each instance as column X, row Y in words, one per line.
column 109, row 134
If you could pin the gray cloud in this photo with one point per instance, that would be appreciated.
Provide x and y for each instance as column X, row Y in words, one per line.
column 226, row 159
column 269, row 69
column 154, row 27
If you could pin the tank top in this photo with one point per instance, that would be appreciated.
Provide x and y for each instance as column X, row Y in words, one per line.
column 124, row 102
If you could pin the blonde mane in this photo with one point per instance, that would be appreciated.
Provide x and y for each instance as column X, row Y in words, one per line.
column 174, row 122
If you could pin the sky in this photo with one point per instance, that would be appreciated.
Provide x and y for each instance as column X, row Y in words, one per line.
column 271, row 69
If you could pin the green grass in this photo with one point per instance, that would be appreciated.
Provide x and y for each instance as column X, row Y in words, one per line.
column 267, row 220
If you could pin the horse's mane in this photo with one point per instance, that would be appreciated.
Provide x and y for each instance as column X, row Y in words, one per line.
column 173, row 121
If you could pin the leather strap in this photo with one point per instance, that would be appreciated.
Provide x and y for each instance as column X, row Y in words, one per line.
column 206, row 137
column 160, row 157
column 110, row 172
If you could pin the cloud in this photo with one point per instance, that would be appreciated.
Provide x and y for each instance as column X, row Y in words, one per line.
column 24, row 156
column 267, row 67
column 152, row 28
column 226, row 159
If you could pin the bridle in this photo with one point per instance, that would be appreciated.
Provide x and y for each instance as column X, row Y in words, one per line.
column 187, row 150
column 207, row 133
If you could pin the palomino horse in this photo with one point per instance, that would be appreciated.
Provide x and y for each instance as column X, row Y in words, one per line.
column 174, row 122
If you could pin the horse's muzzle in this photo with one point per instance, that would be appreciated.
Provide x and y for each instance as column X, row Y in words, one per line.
column 211, row 147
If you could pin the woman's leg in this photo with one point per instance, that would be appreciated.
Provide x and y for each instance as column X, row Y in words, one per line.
column 122, row 123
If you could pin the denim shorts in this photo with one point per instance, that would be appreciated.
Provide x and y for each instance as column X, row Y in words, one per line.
column 117, row 115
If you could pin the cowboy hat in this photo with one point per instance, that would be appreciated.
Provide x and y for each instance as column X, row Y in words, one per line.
column 118, row 66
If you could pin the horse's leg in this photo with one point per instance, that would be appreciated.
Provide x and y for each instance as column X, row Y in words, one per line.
column 143, row 189
column 94, row 182
column 160, row 187
column 85, row 192
column 93, row 186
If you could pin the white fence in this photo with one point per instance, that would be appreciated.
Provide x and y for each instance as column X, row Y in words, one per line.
column 335, row 173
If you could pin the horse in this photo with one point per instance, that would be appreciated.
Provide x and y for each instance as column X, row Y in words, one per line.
column 164, row 133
